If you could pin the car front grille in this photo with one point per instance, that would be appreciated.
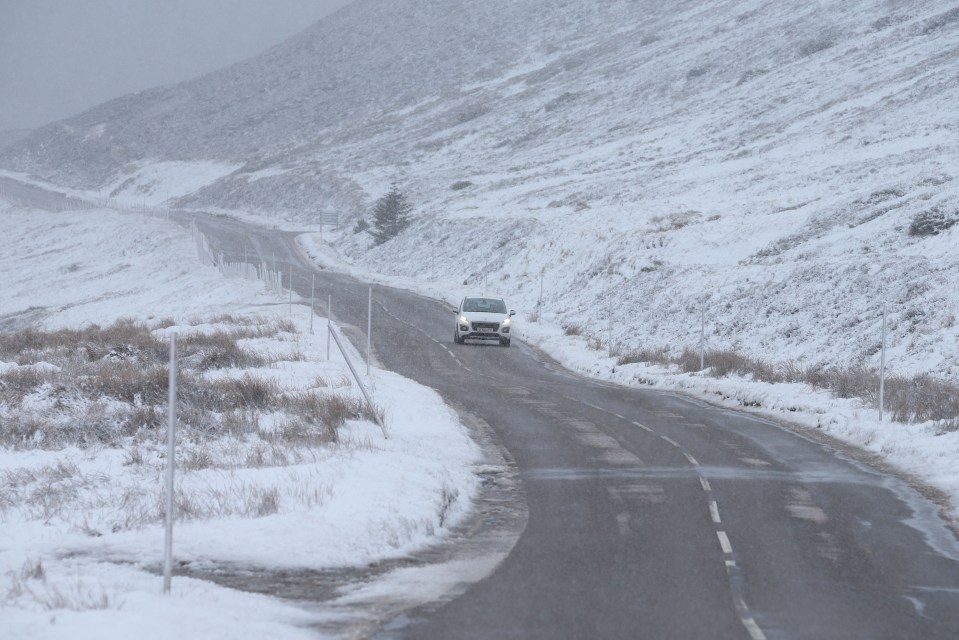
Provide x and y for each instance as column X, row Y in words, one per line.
column 478, row 326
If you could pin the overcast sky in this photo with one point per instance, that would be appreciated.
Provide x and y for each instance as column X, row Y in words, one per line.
column 59, row 57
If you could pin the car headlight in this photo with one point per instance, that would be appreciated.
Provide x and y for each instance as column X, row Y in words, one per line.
column 464, row 320
column 506, row 322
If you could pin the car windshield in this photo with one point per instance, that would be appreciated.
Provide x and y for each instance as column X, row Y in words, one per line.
column 484, row 305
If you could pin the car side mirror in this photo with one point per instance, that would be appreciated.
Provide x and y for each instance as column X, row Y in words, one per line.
column 512, row 312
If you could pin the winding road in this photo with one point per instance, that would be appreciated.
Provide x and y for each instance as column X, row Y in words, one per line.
column 651, row 514
column 625, row 512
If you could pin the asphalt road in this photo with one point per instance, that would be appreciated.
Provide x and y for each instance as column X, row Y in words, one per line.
column 653, row 515
column 647, row 514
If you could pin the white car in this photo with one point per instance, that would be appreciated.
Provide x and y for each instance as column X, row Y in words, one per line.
column 483, row 319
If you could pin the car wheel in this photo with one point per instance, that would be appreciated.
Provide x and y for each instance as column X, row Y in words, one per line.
column 456, row 337
column 505, row 343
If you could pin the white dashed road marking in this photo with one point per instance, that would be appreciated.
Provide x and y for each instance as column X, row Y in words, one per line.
column 670, row 441
column 724, row 542
column 714, row 511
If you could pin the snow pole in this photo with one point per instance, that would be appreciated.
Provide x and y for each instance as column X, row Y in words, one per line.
column 882, row 364
column 369, row 332
column 168, row 536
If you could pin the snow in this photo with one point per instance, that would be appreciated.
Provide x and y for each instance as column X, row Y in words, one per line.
column 365, row 499
column 629, row 165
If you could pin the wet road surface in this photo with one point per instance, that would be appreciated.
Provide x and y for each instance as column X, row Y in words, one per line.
column 651, row 514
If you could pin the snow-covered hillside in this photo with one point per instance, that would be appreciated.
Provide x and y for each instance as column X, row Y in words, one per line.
column 791, row 166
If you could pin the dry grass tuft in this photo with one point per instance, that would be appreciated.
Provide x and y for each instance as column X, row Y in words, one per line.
column 246, row 393
column 108, row 384
column 573, row 330
column 658, row 355
column 917, row 399
column 218, row 350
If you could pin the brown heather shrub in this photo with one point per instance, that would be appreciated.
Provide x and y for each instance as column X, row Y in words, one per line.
column 303, row 432
column 329, row 410
column 219, row 350
column 225, row 318
column 723, row 363
column 124, row 339
column 688, row 360
column 19, row 382
column 792, row 372
column 127, row 381
column 285, row 325
column 14, row 344
column 164, row 323
column 125, row 363
column 263, row 502
column 256, row 456
column 197, row 460
column 240, row 421
column 20, row 432
column 337, row 409
column 573, row 330
column 247, row 392
column 146, row 417
column 652, row 355
column 920, row 398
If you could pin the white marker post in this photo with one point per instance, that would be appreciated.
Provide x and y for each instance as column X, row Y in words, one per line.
column 168, row 537
column 329, row 324
column 702, row 337
column 539, row 301
column 882, row 364
column 312, row 300
column 369, row 332
column 609, row 326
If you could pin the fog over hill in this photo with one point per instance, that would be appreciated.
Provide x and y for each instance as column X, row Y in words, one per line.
column 789, row 165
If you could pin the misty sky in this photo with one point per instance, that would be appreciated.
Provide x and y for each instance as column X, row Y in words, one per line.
column 59, row 57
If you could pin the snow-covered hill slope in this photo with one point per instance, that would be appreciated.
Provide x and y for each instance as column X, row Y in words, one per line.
column 790, row 165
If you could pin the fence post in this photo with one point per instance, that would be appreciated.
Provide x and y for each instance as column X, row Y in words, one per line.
column 882, row 364
column 329, row 327
column 291, row 290
column 312, row 299
column 168, row 536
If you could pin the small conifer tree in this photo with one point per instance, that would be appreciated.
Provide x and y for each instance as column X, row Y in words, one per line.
column 391, row 214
